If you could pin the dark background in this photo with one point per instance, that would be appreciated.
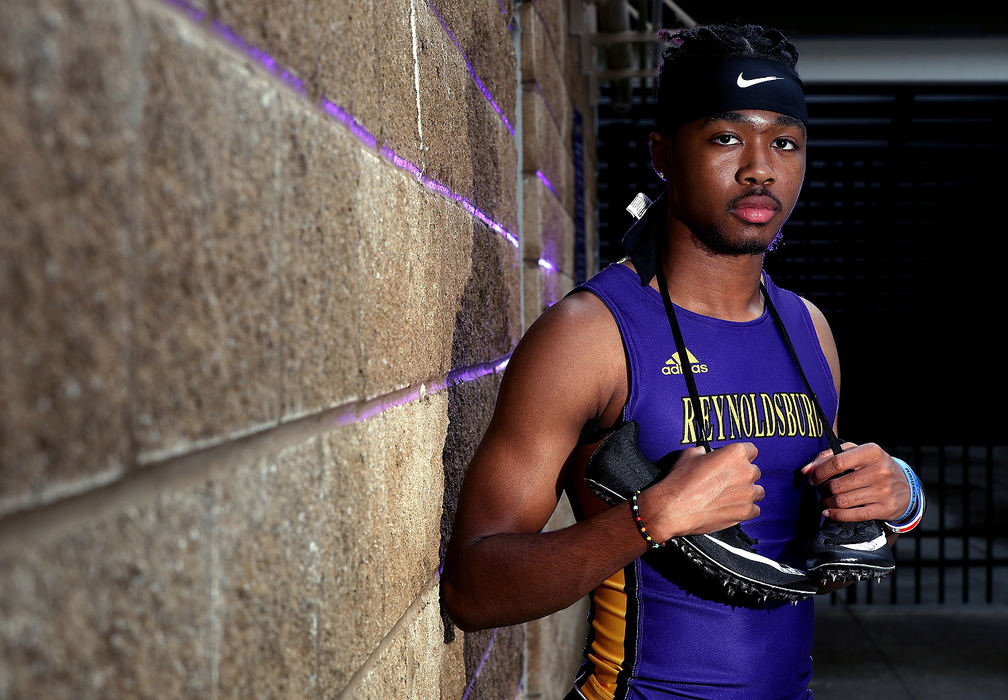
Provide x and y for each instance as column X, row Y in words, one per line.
column 857, row 17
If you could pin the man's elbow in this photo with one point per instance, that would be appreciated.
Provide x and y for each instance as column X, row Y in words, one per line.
column 459, row 605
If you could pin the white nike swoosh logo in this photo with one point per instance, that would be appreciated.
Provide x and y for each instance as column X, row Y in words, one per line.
column 743, row 83
column 867, row 546
column 753, row 556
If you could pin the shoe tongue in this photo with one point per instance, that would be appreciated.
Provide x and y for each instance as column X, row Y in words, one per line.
column 752, row 542
column 846, row 532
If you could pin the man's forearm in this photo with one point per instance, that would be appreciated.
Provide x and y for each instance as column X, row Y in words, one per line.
column 506, row 579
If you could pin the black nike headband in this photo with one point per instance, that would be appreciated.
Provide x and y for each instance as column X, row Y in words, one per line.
column 703, row 87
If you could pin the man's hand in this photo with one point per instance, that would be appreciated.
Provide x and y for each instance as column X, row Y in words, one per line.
column 705, row 492
column 860, row 483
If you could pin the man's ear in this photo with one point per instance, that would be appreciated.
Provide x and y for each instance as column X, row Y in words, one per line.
column 661, row 154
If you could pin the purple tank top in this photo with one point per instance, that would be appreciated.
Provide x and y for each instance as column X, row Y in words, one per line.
column 649, row 638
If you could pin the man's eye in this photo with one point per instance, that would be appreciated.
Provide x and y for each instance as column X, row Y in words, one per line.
column 785, row 144
column 726, row 139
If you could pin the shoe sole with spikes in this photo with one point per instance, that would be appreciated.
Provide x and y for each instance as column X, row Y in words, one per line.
column 850, row 552
column 728, row 561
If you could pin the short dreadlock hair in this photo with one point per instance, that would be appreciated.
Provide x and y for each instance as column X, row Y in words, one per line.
column 726, row 40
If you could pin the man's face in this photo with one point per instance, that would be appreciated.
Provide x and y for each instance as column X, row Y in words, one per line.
column 734, row 178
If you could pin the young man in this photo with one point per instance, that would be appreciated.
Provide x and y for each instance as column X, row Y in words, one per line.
column 730, row 144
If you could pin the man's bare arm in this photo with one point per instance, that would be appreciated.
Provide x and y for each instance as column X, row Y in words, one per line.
column 500, row 568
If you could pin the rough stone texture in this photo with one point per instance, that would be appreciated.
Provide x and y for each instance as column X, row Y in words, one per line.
column 554, row 647
column 552, row 14
column 452, row 667
column 495, row 662
column 470, row 408
column 122, row 608
column 410, row 667
column 542, row 289
column 207, row 342
column 358, row 55
column 195, row 250
column 269, row 520
column 466, row 146
column 383, row 486
column 532, row 288
column 548, row 228
column 544, row 150
column 541, row 65
column 495, row 166
column 406, row 289
column 488, row 321
column 67, row 144
column 481, row 30
column 444, row 86
column 321, row 346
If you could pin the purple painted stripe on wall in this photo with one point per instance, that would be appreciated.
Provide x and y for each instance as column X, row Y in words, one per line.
column 258, row 55
column 368, row 408
column 472, row 72
column 545, row 180
column 479, row 669
column 350, row 121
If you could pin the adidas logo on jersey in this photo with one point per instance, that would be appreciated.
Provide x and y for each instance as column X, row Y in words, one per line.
column 673, row 365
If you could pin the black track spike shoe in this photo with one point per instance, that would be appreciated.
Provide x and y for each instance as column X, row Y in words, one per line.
column 849, row 552
column 726, row 559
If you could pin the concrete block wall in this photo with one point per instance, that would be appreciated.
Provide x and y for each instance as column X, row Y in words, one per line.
column 554, row 90
column 262, row 266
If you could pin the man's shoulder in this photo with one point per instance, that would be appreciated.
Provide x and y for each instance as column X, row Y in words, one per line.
column 581, row 314
column 573, row 349
column 580, row 328
column 797, row 301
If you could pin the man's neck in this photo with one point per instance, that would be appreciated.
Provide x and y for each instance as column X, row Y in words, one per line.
column 720, row 286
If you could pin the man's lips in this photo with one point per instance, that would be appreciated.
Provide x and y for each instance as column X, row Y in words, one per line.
column 756, row 209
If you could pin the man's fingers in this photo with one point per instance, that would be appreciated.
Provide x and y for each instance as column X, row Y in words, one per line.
column 827, row 465
column 855, row 498
column 824, row 457
column 816, row 461
column 750, row 450
column 854, row 515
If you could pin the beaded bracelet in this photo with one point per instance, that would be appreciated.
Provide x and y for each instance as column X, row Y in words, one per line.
column 635, row 512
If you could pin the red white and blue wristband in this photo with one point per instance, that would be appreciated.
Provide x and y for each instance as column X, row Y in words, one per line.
column 915, row 509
